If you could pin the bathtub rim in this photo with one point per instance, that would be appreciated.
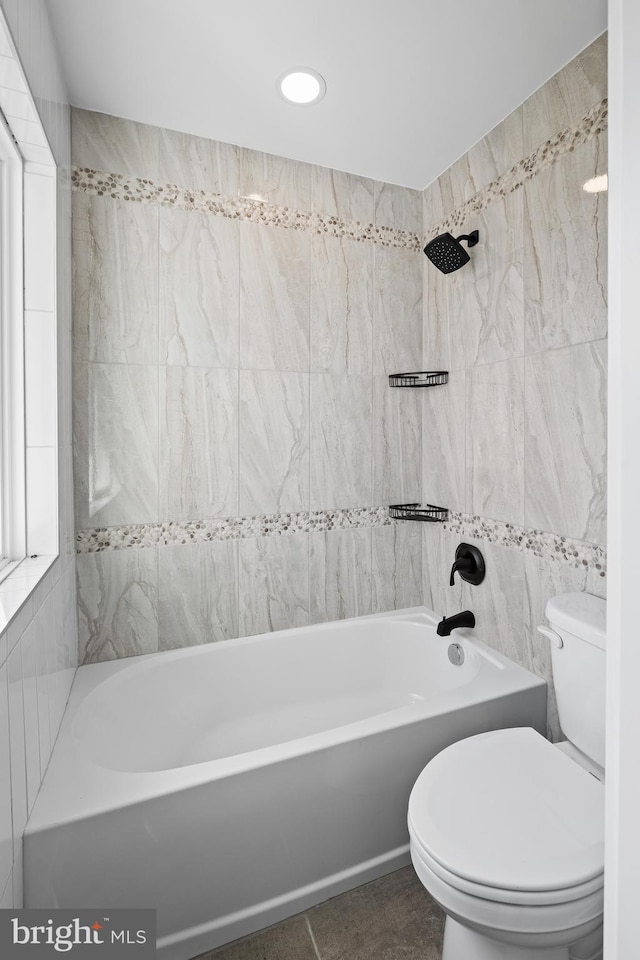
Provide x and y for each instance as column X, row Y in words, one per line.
column 104, row 789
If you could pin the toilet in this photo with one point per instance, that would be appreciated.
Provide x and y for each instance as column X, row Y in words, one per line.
column 507, row 830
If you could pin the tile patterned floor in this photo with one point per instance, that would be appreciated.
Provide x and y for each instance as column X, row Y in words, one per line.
column 392, row 918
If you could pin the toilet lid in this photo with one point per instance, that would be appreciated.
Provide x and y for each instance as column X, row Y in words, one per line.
column 507, row 809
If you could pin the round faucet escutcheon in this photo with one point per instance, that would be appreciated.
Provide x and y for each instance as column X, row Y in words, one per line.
column 469, row 563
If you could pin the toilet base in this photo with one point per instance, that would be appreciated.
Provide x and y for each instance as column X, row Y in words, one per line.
column 460, row 941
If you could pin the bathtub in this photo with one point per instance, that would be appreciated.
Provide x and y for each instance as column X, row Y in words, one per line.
column 234, row 784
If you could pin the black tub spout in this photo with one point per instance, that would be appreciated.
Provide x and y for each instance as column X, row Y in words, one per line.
column 447, row 624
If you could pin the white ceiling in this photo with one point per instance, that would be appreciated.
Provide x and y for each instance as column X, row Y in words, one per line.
column 411, row 84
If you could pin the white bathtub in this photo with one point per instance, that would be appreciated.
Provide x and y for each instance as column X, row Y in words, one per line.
column 234, row 784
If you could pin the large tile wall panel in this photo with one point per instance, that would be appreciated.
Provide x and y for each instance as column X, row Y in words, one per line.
column 396, row 567
column 116, row 443
column 339, row 574
column 102, row 142
column 274, row 298
column 342, row 287
column 198, row 458
column 495, row 440
column 276, row 180
column 199, row 289
column 565, row 441
column 485, row 298
column 117, row 604
column 341, row 437
column 116, row 281
column 566, row 97
column 273, row 583
column 397, row 311
column 398, row 207
column 397, row 419
column 196, row 162
column 444, row 479
column 274, row 442
column 488, row 159
column 565, row 255
column 197, row 594
column 343, row 195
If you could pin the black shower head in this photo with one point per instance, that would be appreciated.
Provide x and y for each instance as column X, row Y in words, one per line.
column 447, row 252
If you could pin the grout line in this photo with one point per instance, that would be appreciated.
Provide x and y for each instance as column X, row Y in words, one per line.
column 313, row 939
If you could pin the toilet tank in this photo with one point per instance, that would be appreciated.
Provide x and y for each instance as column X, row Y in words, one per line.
column 579, row 669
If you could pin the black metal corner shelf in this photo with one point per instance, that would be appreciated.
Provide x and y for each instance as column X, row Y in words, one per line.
column 418, row 511
column 419, row 378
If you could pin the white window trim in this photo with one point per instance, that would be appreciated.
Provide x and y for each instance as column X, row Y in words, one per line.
column 36, row 304
column 12, row 405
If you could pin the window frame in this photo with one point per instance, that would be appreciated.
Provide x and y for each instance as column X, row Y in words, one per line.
column 12, row 400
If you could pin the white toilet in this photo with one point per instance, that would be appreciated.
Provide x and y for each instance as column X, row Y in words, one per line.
column 507, row 829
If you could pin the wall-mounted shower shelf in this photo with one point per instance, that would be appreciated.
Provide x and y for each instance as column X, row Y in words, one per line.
column 418, row 511
column 421, row 378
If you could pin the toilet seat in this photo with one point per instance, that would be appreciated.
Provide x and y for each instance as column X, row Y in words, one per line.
column 551, row 924
column 528, row 898
column 504, row 816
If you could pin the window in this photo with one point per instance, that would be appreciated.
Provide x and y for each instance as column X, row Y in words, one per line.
column 12, row 429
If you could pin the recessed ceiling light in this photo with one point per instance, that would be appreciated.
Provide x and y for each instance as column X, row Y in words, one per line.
column 301, row 86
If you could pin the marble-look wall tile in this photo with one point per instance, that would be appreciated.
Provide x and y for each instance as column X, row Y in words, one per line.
column 198, row 462
column 115, row 444
column 342, row 282
column 495, row 440
column 398, row 207
column 343, row 195
column 443, row 444
column 438, row 553
column 117, row 604
column 566, row 97
column 197, row 594
column 498, row 602
column 198, row 163
column 273, row 179
column 485, row 297
column 273, row 584
column 398, row 310
column 341, row 441
column 565, row 444
column 274, row 442
column 436, row 350
column 488, row 159
column 565, row 255
column 199, row 289
column 115, row 313
column 103, row 142
column 397, row 422
column 339, row 574
column 396, row 567
column 437, row 201
column 274, row 298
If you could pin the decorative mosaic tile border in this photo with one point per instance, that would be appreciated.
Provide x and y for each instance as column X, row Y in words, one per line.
column 176, row 532
column 577, row 553
column 542, row 157
column 172, row 533
column 117, row 186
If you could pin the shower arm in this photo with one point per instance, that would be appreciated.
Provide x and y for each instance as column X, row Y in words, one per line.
column 471, row 238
